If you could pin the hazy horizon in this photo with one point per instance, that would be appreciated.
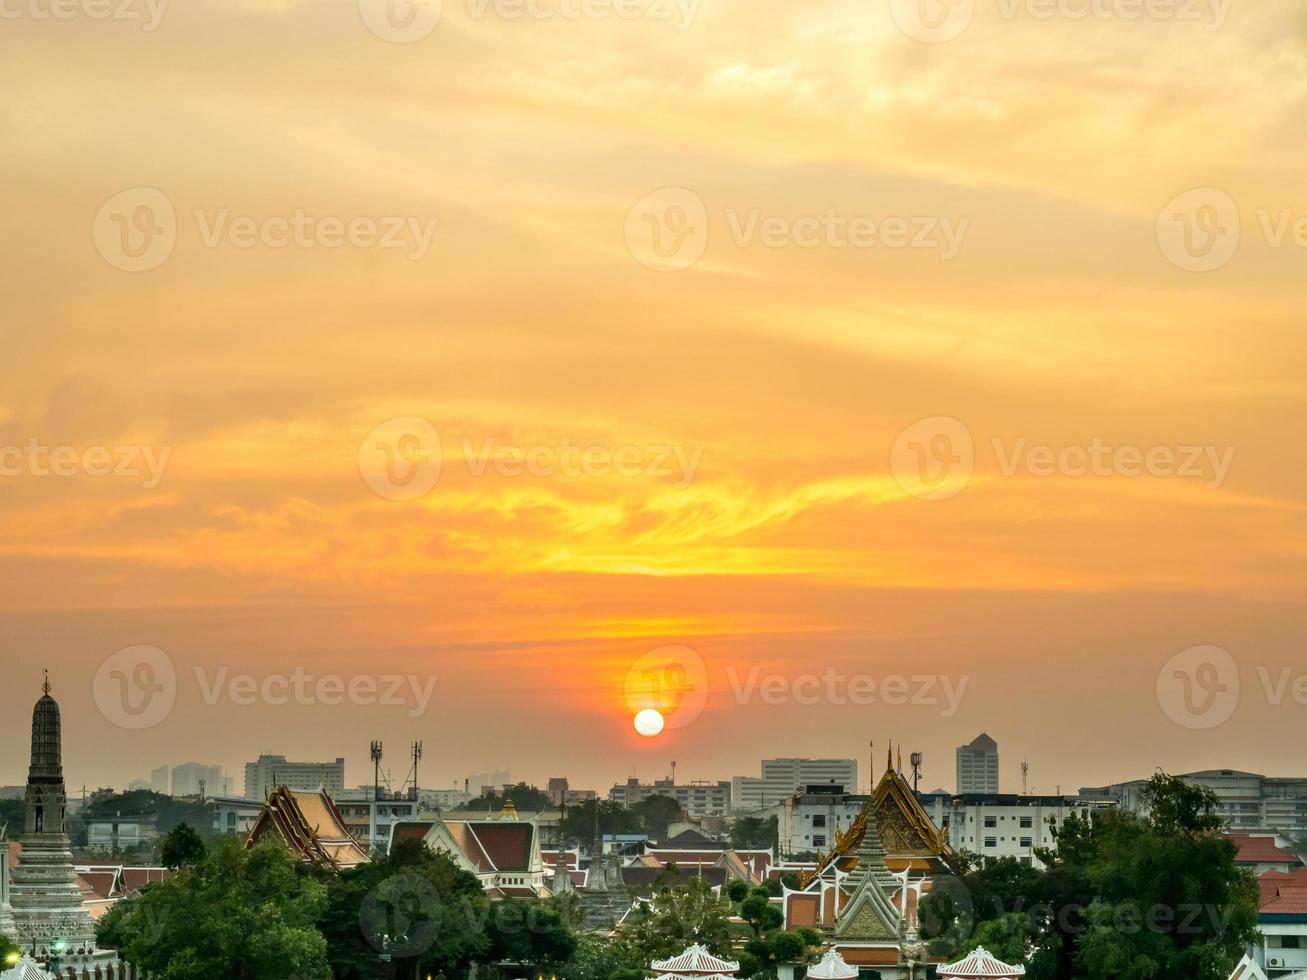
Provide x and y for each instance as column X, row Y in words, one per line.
column 506, row 349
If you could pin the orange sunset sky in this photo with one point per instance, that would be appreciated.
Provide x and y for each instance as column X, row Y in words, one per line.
column 788, row 374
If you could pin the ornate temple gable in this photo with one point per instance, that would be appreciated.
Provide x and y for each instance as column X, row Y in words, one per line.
column 905, row 828
column 869, row 915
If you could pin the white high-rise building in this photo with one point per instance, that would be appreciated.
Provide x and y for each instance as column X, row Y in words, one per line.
column 188, row 777
column 271, row 771
column 781, row 778
column 978, row 766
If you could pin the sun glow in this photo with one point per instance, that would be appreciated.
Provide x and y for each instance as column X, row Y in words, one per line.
column 649, row 722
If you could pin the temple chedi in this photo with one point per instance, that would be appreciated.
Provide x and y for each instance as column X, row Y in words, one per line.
column 45, row 903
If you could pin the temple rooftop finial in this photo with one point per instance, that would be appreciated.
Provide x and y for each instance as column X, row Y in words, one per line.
column 46, row 686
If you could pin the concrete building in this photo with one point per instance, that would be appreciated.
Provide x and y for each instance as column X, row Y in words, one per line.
column 978, row 766
column 121, row 832
column 994, row 826
column 234, row 815
column 1282, row 921
column 561, row 793
column 781, row 778
column 370, row 819
column 159, row 782
column 195, row 779
column 485, row 783
column 1246, row 800
column 698, row 799
column 442, row 799
column 271, row 771
column 807, row 821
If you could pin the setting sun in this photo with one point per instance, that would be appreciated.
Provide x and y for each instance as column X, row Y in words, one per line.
column 649, row 722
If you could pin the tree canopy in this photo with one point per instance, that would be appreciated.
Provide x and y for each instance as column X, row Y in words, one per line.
column 246, row 915
column 1121, row 898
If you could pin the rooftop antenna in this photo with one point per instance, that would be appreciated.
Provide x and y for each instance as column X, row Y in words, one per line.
column 376, row 770
column 915, row 758
column 871, row 765
column 673, row 772
column 415, row 749
column 1025, row 776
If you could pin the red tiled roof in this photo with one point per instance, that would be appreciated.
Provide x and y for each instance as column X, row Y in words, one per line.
column 508, row 845
column 137, row 878
column 1261, row 850
column 411, row 831
column 1283, row 894
column 100, row 882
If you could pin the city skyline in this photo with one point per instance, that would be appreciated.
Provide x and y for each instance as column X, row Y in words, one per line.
column 796, row 339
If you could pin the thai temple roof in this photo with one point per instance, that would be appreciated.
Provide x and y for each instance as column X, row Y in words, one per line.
column 832, row 967
column 980, row 963
column 310, row 824
column 696, row 962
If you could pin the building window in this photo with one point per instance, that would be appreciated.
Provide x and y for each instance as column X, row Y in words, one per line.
column 991, row 842
column 819, row 820
column 1027, row 841
column 819, row 840
column 990, row 823
column 1027, row 823
column 1290, row 942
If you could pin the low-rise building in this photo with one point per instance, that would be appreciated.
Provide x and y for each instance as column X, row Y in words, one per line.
column 808, row 820
column 370, row 820
column 1005, row 825
column 783, row 777
column 698, row 799
column 1282, row 921
column 234, row 814
column 122, row 832
column 1245, row 800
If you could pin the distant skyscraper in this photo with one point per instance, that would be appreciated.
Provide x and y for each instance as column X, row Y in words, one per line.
column 159, row 780
column 187, row 777
column 978, row 766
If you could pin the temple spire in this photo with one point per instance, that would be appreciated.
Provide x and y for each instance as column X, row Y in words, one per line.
column 46, row 688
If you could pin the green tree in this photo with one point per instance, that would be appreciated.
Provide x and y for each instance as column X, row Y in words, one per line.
column 181, row 848
column 1120, row 898
column 655, row 814
column 246, row 915
column 578, row 823
column 526, row 799
column 753, row 833
column 13, row 815
column 413, row 905
column 531, row 933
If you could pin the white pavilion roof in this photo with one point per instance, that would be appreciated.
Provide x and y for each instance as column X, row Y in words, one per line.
column 980, row 963
column 26, row 969
column 695, row 962
column 832, row 967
